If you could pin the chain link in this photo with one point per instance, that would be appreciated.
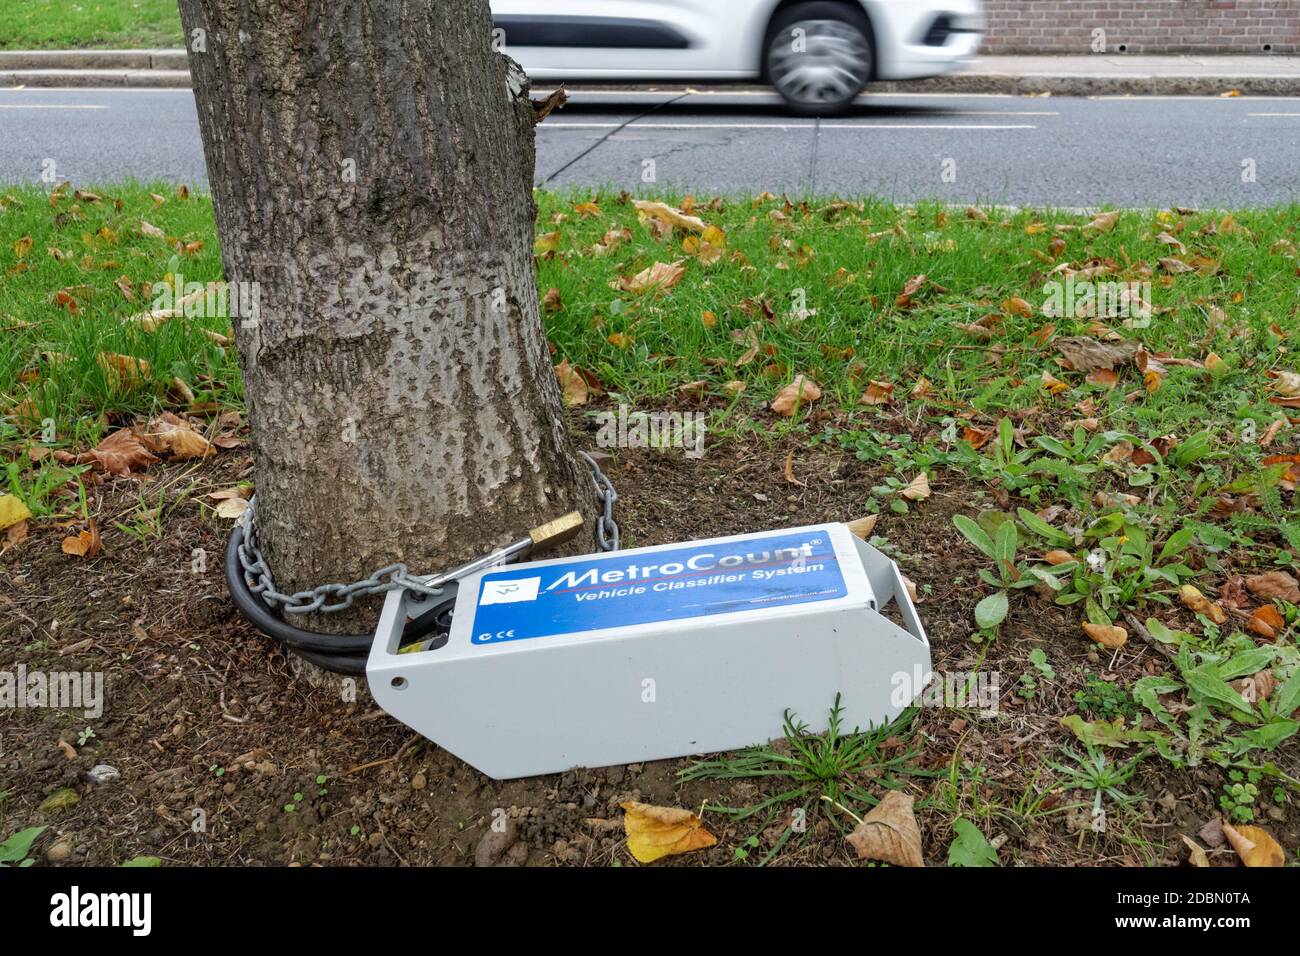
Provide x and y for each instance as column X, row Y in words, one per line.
column 606, row 526
column 332, row 598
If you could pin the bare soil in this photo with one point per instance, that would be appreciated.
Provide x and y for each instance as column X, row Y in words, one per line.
column 215, row 732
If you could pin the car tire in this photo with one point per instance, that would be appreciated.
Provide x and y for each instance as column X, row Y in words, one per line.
column 819, row 56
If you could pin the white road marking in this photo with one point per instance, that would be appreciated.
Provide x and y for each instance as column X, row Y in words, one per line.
column 50, row 106
column 1273, row 114
column 785, row 126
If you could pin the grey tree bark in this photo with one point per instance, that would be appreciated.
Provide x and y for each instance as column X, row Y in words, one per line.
column 371, row 165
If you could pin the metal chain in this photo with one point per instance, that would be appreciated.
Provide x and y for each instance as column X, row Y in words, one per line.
column 257, row 574
column 606, row 526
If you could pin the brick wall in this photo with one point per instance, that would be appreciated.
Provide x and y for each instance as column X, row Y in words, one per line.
column 1144, row 26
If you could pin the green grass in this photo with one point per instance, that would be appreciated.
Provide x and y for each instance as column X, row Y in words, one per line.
column 89, row 24
column 813, row 289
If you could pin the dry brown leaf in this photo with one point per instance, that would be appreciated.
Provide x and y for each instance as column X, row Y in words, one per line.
column 87, row 544
column 1195, row 853
column 794, row 396
column 171, row 434
column 123, row 371
column 551, row 301
column 118, row 454
column 889, row 833
column 149, row 229
column 1110, row 636
column 878, row 393
column 1266, row 622
column 1254, row 845
column 1087, row 354
column 572, row 384
column 231, row 508
column 1272, row 585
column 1058, row 557
column 660, row 277
column 863, row 527
column 789, row 471
column 1195, row 601
column 668, row 214
column 918, row 489
column 655, row 832
column 1103, row 222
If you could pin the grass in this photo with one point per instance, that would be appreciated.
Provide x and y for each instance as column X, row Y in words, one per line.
column 89, row 24
column 926, row 329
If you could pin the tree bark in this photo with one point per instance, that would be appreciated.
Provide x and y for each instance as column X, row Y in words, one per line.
column 371, row 166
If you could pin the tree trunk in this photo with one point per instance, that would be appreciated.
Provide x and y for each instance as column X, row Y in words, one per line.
column 371, row 165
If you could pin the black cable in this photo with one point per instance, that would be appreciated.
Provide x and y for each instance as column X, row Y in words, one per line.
column 341, row 653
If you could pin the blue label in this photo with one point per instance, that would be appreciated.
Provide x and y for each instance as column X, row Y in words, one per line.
column 622, row 589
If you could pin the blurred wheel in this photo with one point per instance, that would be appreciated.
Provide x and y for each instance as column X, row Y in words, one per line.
column 819, row 56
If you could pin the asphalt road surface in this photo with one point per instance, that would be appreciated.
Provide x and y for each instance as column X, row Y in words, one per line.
column 1063, row 151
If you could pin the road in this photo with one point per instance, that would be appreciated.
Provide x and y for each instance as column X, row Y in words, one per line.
column 1064, row 152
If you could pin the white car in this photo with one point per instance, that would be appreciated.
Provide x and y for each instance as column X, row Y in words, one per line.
column 819, row 54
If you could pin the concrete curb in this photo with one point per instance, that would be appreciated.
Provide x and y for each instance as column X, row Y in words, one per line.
column 1101, row 84
column 169, row 68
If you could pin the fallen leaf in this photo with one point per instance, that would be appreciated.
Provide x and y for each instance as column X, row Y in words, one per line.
column 661, row 276
column 231, row 508
column 1273, row 585
column 149, row 229
column 878, row 393
column 863, row 527
column 1197, row 602
column 1087, row 354
column 789, row 471
column 12, row 511
column 1103, row 222
column 1058, row 557
column 123, row 371
column 118, row 454
column 918, row 489
column 87, row 544
column 171, row 434
column 889, row 833
column 572, row 384
column 1254, row 845
column 655, row 832
column 551, row 302
column 1110, row 636
column 669, row 214
column 1195, row 852
column 553, row 102
column 795, row 395
column 1266, row 622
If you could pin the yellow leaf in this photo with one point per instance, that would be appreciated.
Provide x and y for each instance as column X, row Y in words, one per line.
column 1255, row 845
column 1103, row 222
column 889, row 833
column 668, row 214
column 585, row 209
column 1198, row 602
column 123, row 371
column 547, row 242
column 23, row 246
column 1110, row 636
column 656, row 832
column 12, row 511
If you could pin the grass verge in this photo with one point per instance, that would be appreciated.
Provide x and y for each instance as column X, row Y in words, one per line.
column 89, row 24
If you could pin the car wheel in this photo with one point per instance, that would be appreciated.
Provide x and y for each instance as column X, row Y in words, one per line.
column 819, row 56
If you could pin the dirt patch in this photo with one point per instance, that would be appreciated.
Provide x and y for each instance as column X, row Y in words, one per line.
column 227, row 754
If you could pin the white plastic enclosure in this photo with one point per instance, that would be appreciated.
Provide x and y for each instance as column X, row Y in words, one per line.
column 656, row 652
